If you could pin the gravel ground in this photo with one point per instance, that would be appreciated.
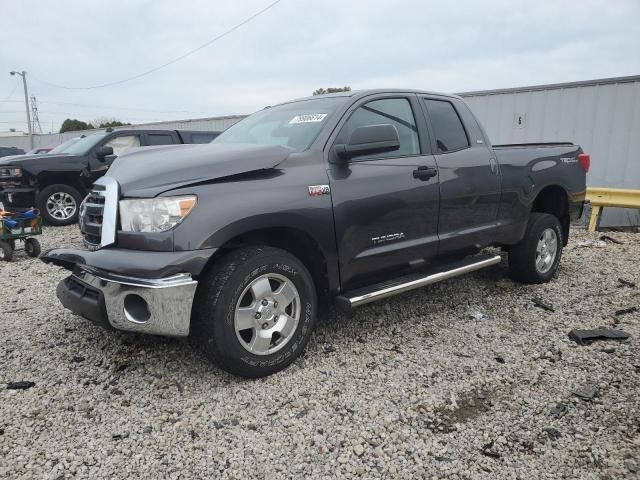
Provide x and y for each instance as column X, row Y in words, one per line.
column 412, row 388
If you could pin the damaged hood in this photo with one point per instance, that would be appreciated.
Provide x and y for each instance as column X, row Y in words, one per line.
column 149, row 171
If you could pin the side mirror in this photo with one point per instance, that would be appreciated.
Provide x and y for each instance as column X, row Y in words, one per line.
column 103, row 151
column 368, row 140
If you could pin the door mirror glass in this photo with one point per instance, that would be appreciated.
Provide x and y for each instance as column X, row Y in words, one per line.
column 102, row 152
column 369, row 140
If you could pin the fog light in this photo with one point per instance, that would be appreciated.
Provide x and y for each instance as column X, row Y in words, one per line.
column 136, row 308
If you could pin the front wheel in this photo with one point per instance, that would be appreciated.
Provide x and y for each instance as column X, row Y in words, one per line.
column 59, row 204
column 254, row 311
column 535, row 259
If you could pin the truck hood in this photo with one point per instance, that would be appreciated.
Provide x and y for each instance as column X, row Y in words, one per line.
column 26, row 161
column 149, row 171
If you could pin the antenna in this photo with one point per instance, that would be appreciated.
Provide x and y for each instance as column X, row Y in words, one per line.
column 35, row 122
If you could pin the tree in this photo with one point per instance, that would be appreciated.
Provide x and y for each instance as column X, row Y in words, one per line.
column 72, row 125
column 322, row 91
column 104, row 122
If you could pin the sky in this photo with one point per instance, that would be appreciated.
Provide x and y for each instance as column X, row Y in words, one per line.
column 292, row 49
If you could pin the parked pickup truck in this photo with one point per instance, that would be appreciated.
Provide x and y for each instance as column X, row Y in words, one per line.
column 7, row 151
column 345, row 198
column 57, row 182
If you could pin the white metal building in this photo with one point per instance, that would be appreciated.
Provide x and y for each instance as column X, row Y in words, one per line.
column 603, row 116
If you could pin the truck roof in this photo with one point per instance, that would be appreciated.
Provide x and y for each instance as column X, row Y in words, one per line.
column 366, row 92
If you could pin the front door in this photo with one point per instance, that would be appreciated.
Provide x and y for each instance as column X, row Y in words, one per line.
column 386, row 219
column 119, row 143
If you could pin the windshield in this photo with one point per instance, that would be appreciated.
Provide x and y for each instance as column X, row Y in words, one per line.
column 62, row 147
column 83, row 145
column 295, row 124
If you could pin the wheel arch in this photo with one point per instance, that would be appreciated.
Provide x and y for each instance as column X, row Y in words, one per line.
column 554, row 200
column 294, row 240
column 74, row 181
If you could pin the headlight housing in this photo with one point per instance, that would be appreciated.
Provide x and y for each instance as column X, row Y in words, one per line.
column 155, row 214
column 10, row 172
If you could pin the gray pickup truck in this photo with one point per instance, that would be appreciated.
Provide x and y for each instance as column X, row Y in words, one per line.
column 346, row 198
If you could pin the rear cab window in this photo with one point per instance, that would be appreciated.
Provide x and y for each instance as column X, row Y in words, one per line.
column 448, row 129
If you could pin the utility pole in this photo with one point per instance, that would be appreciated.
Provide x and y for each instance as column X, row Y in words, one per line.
column 23, row 74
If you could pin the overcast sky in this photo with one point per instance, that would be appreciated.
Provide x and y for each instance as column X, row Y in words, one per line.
column 294, row 48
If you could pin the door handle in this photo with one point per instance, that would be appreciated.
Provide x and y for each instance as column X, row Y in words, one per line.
column 425, row 173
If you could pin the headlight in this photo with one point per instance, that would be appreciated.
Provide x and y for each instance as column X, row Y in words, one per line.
column 154, row 214
column 11, row 172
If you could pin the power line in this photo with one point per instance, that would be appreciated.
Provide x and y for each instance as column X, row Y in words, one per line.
column 177, row 59
column 12, row 92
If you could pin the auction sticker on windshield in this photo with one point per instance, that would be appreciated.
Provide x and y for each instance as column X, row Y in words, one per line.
column 309, row 118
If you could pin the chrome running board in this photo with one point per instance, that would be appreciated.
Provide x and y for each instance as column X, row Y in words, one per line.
column 369, row 294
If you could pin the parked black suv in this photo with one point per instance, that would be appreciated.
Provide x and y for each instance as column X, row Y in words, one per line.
column 350, row 197
column 7, row 151
column 57, row 182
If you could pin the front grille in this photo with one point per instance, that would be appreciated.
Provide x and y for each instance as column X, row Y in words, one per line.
column 98, row 214
column 92, row 210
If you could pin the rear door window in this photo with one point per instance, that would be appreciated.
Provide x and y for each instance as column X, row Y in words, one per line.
column 447, row 127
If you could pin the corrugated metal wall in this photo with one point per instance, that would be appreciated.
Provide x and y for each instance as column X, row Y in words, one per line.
column 603, row 116
column 54, row 139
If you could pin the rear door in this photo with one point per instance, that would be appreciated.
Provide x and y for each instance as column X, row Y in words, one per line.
column 469, row 176
column 386, row 219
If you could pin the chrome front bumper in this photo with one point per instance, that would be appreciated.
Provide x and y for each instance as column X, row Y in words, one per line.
column 154, row 306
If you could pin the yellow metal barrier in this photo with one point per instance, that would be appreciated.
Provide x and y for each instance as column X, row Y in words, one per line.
column 609, row 197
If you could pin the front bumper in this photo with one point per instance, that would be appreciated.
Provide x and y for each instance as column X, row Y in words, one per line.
column 152, row 292
column 18, row 197
column 154, row 306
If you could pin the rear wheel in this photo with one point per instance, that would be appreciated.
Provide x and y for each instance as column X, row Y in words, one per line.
column 535, row 259
column 59, row 204
column 32, row 247
column 254, row 311
column 6, row 252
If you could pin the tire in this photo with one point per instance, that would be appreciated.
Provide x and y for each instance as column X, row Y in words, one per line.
column 32, row 247
column 68, row 197
column 6, row 252
column 230, row 287
column 535, row 259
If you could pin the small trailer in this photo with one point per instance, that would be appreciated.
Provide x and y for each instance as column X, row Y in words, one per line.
column 19, row 225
